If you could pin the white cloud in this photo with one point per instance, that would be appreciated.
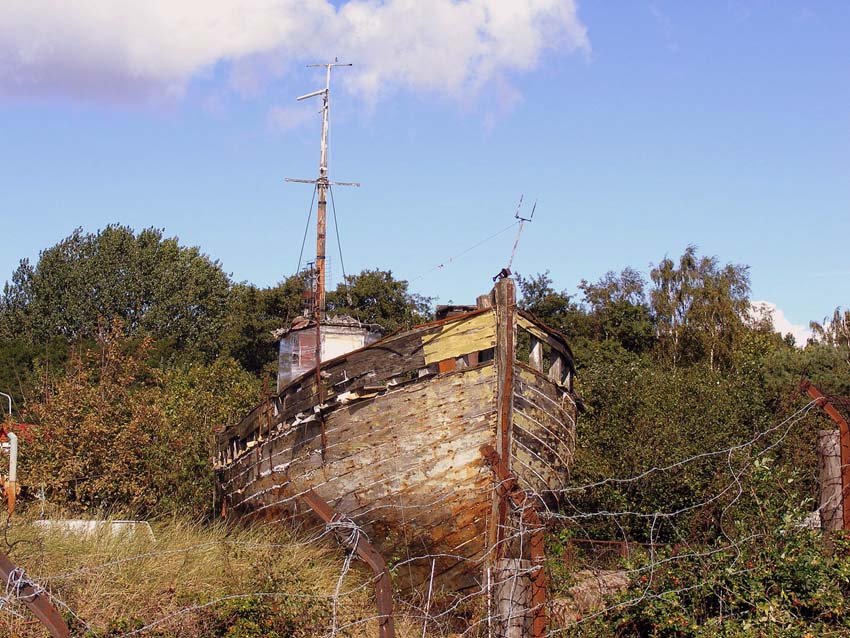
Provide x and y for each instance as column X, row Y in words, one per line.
column 96, row 49
column 286, row 118
column 780, row 322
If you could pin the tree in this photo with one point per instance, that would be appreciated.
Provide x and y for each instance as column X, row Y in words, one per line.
column 617, row 309
column 835, row 331
column 253, row 314
column 555, row 308
column 699, row 307
column 150, row 284
column 115, row 433
column 376, row 297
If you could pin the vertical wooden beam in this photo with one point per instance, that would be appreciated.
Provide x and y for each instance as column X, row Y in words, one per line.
column 556, row 370
column 508, row 488
column 535, row 354
column 504, row 299
column 483, row 301
column 844, row 433
column 512, row 593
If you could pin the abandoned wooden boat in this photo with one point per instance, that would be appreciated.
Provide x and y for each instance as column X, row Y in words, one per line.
column 391, row 435
column 390, row 431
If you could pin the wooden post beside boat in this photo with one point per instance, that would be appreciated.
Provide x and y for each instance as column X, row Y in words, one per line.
column 520, row 585
column 844, row 445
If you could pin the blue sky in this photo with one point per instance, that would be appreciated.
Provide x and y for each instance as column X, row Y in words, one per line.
column 639, row 127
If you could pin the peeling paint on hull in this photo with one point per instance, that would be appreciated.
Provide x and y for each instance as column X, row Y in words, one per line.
column 403, row 422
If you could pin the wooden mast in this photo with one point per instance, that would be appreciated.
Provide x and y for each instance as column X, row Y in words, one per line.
column 322, row 185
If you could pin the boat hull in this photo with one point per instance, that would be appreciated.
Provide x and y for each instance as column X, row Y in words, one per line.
column 402, row 458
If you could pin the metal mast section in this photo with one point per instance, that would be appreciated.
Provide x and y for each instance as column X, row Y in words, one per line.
column 322, row 185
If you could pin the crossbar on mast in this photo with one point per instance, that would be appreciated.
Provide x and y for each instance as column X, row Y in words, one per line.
column 322, row 185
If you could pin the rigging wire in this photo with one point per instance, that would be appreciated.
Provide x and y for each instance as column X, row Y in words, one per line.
column 336, row 229
column 462, row 253
column 306, row 229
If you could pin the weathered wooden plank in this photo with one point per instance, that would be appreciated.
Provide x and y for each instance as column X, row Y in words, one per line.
column 535, row 356
column 555, row 340
column 428, row 446
column 461, row 337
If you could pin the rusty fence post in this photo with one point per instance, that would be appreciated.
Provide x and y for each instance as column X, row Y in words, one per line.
column 366, row 551
column 15, row 583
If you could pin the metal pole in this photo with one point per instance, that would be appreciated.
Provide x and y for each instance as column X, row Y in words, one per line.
column 322, row 185
column 321, row 219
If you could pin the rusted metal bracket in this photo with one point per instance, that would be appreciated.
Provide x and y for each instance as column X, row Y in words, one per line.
column 844, row 430
column 365, row 550
column 508, row 487
column 15, row 582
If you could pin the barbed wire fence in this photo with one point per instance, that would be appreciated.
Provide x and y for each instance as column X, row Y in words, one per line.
column 471, row 613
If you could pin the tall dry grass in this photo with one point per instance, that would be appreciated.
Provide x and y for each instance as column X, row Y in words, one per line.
column 192, row 579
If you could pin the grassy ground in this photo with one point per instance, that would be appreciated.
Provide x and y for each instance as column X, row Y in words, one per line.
column 193, row 580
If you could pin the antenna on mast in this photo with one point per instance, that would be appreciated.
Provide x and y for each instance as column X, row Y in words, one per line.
column 506, row 271
column 322, row 184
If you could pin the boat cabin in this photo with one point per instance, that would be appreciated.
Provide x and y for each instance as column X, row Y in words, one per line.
column 339, row 335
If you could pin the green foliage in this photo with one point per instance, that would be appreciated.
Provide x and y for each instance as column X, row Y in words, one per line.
column 555, row 308
column 114, row 433
column 87, row 282
column 617, row 310
column 642, row 415
column 376, row 297
column 20, row 361
column 834, row 331
column 253, row 314
column 785, row 584
column 700, row 308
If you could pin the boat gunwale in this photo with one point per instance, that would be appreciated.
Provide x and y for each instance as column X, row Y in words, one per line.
column 398, row 334
column 225, row 432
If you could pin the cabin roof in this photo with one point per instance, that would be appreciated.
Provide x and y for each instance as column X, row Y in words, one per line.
column 337, row 321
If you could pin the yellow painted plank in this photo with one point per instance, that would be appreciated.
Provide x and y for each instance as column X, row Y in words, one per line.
column 461, row 337
column 533, row 329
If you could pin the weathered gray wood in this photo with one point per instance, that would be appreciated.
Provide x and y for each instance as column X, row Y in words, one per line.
column 535, row 355
column 829, row 479
column 512, row 597
column 556, row 370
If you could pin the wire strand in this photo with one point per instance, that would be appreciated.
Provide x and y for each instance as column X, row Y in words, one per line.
column 445, row 262
column 306, row 229
column 336, row 229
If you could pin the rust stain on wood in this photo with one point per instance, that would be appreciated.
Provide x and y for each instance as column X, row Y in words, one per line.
column 403, row 420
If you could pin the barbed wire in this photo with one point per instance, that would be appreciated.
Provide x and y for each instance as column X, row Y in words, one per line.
column 422, row 613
